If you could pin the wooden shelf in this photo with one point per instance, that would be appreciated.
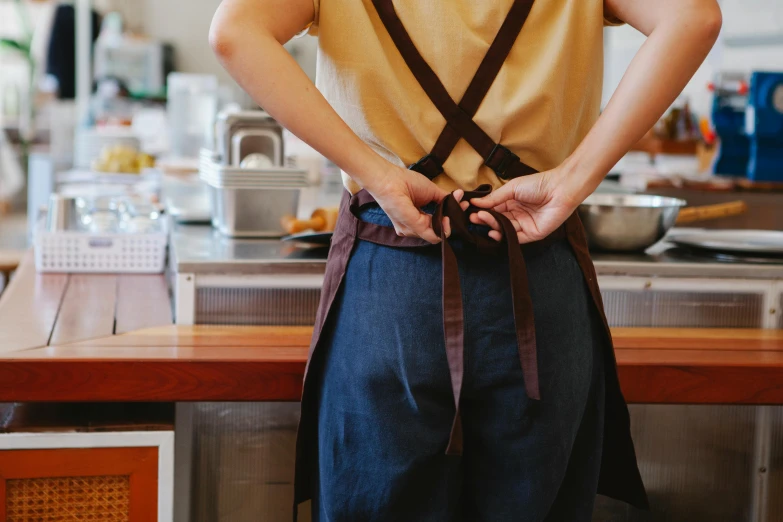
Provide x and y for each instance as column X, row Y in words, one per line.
column 653, row 146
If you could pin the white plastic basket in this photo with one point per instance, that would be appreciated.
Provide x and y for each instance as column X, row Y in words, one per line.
column 69, row 251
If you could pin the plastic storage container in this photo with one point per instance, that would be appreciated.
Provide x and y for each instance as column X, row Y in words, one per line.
column 192, row 108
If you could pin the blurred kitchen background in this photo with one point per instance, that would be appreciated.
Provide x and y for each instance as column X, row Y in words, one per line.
column 47, row 101
column 115, row 117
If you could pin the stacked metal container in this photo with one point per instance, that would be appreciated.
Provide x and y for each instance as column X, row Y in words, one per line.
column 250, row 189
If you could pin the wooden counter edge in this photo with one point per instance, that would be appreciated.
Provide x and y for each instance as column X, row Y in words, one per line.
column 263, row 336
column 674, row 366
column 171, row 380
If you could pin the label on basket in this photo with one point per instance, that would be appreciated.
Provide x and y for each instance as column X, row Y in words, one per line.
column 100, row 242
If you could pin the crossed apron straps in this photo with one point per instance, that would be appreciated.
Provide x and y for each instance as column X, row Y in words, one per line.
column 459, row 118
column 506, row 164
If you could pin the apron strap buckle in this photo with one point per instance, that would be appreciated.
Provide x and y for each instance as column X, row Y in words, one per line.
column 428, row 165
column 501, row 160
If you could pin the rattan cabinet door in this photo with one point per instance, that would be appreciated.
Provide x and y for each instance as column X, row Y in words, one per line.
column 93, row 484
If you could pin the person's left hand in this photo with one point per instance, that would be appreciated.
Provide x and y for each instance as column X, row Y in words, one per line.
column 536, row 205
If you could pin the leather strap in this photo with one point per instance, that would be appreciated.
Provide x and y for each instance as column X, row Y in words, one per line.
column 459, row 120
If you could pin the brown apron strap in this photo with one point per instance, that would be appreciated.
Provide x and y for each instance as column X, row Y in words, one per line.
column 453, row 312
column 485, row 75
column 500, row 159
column 453, row 315
column 453, row 320
column 459, row 123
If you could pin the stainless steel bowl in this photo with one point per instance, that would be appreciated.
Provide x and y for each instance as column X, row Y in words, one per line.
column 627, row 222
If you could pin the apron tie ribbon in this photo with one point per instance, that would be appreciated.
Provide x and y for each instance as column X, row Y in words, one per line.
column 453, row 315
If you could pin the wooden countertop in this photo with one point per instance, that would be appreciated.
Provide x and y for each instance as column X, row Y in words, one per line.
column 110, row 338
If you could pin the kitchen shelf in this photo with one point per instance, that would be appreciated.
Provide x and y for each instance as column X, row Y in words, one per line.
column 653, row 146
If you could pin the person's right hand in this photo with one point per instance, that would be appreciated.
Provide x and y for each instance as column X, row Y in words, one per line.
column 401, row 193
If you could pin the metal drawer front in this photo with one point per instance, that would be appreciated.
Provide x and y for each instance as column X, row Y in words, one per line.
column 683, row 309
column 257, row 306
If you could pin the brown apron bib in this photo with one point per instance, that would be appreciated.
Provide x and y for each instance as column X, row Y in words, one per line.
column 619, row 473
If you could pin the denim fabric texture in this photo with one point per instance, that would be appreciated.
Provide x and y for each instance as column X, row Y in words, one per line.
column 385, row 405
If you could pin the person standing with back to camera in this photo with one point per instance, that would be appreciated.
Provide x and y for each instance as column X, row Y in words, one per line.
column 461, row 366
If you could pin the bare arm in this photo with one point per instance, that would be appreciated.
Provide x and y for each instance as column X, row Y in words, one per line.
column 248, row 38
column 680, row 34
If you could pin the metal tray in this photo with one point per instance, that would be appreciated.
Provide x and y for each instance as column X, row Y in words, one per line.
column 768, row 242
column 311, row 238
column 249, row 212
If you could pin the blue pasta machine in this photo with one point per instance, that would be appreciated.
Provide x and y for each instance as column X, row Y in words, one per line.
column 764, row 126
column 729, row 103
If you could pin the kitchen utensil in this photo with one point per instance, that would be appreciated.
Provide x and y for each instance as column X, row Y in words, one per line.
column 101, row 221
column 311, row 238
column 763, row 120
column 257, row 174
column 308, row 251
column 107, row 252
column 266, row 142
column 246, row 132
column 701, row 213
column 145, row 209
column 141, row 224
column 729, row 101
column 250, row 202
column 220, row 175
column 627, row 222
column 769, row 242
column 252, row 212
column 273, row 182
column 699, row 255
column 191, row 108
column 321, row 220
column 188, row 204
column 61, row 213
column 256, row 160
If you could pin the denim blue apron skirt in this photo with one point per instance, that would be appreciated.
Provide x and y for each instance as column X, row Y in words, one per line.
column 385, row 405
column 469, row 381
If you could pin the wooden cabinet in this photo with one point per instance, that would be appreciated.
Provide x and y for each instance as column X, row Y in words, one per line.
column 101, row 477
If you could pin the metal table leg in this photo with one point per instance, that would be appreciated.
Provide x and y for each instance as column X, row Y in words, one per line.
column 761, row 459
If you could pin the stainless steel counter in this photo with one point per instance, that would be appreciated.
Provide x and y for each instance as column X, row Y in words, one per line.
column 199, row 249
column 224, row 281
column 665, row 260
